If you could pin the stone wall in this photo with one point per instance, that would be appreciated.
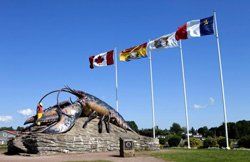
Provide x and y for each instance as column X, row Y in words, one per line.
column 79, row 139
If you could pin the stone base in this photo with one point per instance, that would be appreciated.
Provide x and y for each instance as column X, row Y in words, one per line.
column 128, row 153
column 79, row 139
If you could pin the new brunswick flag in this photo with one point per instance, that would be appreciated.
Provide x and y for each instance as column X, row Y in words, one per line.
column 135, row 52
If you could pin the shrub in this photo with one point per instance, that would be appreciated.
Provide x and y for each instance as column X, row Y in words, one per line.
column 162, row 141
column 222, row 142
column 234, row 143
column 184, row 136
column 210, row 142
column 174, row 141
column 244, row 141
column 194, row 142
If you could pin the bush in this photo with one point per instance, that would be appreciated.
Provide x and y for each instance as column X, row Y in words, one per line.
column 210, row 142
column 194, row 142
column 174, row 141
column 184, row 136
column 162, row 141
column 222, row 142
column 244, row 141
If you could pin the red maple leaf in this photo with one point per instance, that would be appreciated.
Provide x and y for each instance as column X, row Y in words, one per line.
column 99, row 60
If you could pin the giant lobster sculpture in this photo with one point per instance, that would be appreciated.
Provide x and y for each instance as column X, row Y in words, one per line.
column 61, row 117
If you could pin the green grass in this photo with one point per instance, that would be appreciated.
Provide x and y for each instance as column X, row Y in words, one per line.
column 203, row 155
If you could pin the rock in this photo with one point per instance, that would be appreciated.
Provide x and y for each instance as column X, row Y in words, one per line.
column 79, row 139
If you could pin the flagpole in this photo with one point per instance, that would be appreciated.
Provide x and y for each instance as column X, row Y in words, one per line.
column 221, row 79
column 116, row 81
column 185, row 93
column 152, row 93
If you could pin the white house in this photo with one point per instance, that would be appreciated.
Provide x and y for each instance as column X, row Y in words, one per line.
column 5, row 135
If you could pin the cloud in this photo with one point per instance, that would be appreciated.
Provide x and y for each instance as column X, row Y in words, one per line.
column 211, row 100
column 210, row 103
column 26, row 112
column 6, row 118
column 197, row 106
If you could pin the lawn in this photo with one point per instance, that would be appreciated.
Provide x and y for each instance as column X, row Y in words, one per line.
column 203, row 155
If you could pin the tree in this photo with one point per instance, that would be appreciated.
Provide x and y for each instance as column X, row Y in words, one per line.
column 220, row 131
column 243, row 128
column 244, row 141
column 193, row 131
column 146, row 132
column 149, row 132
column 203, row 131
column 6, row 128
column 212, row 132
column 176, row 129
column 235, row 130
column 133, row 125
column 161, row 132
column 232, row 130
column 20, row 128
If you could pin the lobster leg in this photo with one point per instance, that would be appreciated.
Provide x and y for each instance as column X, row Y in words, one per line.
column 100, row 124
column 91, row 117
column 107, row 123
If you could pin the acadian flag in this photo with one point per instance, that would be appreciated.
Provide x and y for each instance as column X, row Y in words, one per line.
column 196, row 28
column 165, row 41
column 135, row 52
column 102, row 59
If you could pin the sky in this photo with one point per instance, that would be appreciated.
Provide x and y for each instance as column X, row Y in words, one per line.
column 45, row 45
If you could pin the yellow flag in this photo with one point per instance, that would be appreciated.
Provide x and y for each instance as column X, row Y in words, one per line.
column 135, row 52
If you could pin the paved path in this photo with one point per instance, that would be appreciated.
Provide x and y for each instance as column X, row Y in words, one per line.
column 110, row 156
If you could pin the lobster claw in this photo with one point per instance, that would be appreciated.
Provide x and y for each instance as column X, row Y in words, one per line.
column 31, row 119
column 66, row 119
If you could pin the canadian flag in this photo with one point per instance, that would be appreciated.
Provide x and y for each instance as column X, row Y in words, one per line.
column 102, row 59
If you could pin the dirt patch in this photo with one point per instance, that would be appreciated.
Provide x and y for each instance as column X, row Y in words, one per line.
column 108, row 156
